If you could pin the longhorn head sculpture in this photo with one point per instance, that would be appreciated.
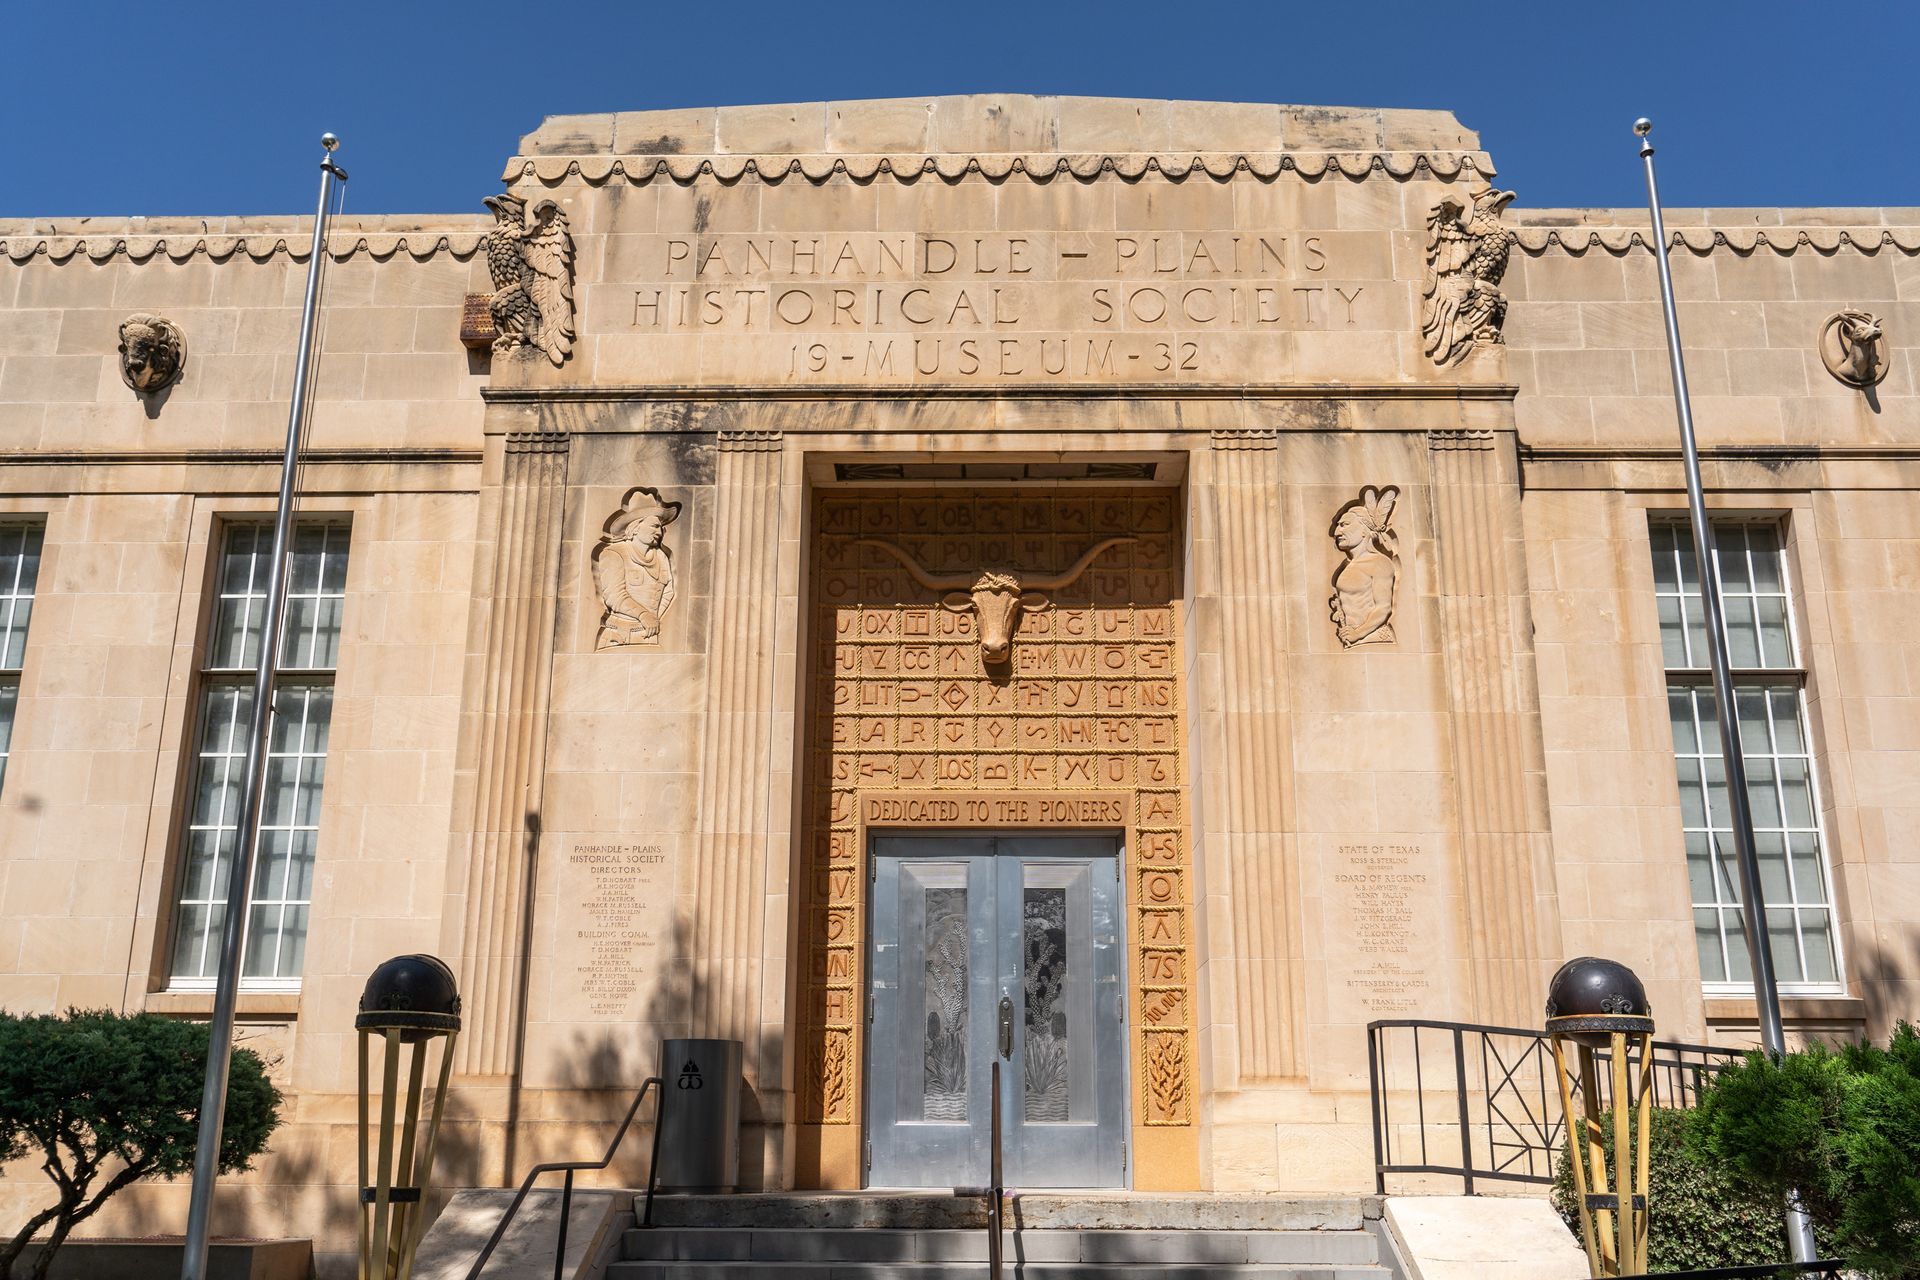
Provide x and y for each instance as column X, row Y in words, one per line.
column 995, row 596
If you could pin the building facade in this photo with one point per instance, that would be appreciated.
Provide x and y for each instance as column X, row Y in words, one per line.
column 1139, row 589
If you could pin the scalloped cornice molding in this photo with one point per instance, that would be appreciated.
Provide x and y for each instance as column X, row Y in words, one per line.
column 419, row 246
column 1041, row 167
column 1537, row 242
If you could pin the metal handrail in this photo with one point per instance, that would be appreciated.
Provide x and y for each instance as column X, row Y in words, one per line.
column 1522, row 1125
column 996, row 1190
column 1753, row 1271
column 571, row 1167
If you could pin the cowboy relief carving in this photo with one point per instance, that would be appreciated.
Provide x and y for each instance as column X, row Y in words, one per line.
column 1364, row 585
column 633, row 570
column 996, row 597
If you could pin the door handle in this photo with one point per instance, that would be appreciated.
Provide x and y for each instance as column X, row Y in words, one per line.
column 1006, row 1026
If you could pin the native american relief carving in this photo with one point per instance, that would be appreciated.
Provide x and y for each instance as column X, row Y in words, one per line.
column 1363, row 586
column 997, row 597
column 633, row 570
column 1467, row 248
column 1853, row 346
column 530, row 256
column 152, row 352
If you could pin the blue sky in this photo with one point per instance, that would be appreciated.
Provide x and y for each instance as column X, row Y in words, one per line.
column 215, row 108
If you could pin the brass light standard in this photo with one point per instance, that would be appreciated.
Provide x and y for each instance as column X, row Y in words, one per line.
column 1599, row 1004
column 409, row 1000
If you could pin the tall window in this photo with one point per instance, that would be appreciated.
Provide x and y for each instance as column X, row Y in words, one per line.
column 1769, row 697
column 276, row 935
column 19, row 571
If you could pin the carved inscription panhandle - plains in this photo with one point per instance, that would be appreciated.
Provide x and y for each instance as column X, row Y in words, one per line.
column 1067, row 306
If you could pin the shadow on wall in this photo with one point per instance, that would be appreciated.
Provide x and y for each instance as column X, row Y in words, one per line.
column 1889, row 969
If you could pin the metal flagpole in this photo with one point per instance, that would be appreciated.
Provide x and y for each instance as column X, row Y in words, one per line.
column 213, row 1098
column 1753, row 920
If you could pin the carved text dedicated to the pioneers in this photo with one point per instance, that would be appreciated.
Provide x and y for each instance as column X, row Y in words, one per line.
column 1380, row 890
column 1039, row 305
column 606, row 926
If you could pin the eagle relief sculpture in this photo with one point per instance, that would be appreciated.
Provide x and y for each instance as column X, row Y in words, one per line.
column 1363, row 586
column 633, row 570
column 1467, row 248
column 530, row 256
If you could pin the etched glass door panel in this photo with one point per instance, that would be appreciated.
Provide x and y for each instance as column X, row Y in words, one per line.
column 1000, row 948
column 1065, row 1080
column 931, row 1029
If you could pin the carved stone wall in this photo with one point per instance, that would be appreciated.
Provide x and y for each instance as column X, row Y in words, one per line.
column 729, row 865
column 1486, row 635
column 503, row 749
column 1088, row 704
column 1254, row 784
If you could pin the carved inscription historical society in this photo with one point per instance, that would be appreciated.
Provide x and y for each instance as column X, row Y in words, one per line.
column 1085, row 306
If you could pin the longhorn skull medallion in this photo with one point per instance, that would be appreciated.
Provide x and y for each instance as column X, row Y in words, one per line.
column 996, row 597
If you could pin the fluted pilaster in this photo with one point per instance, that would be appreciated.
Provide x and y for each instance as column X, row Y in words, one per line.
column 736, row 773
column 509, row 679
column 1264, row 877
column 1499, row 761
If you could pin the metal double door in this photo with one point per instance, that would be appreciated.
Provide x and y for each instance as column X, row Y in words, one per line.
column 1002, row 948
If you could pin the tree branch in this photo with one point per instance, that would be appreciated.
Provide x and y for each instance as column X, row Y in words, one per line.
column 12, row 1249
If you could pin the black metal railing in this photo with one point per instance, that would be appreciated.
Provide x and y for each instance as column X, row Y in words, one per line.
column 571, row 1167
column 1754, row 1271
column 1488, row 1094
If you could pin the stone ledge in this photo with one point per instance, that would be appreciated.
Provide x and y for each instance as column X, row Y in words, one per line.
column 1741, row 1010
column 199, row 1004
column 1093, row 1211
column 996, row 122
column 109, row 1259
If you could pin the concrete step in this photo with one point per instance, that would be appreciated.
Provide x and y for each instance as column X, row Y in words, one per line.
column 644, row 1270
column 829, row 1245
column 922, row 1211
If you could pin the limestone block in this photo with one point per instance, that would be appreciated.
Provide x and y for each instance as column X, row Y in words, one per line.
column 685, row 132
column 1483, row 1238
column 893, row 125
column 993, row 123
column 791, row 127
column 458, row 1234
column 574, row 136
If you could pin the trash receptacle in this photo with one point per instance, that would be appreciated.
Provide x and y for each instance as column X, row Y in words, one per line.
column 700, row 1116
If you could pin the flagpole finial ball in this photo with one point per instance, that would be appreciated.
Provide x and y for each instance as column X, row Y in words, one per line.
column 1642, row 127
column 329, row 141
column 1590, row 998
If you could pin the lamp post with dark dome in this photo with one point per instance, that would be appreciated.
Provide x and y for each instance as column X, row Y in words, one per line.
column 1600, row 1004
column 409, row 1001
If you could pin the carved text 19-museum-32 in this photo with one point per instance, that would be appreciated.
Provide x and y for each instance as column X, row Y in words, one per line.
column 1076, row 306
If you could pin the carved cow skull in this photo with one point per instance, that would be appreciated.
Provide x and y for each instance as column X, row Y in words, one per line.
column 996, row 596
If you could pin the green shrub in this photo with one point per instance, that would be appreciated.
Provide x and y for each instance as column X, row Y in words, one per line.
column 1699, row 1216
column 1840, row 1124
column 98, row 1096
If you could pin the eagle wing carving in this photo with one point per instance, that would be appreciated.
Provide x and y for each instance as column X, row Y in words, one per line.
column 548, row 252
column 1467, row 248
column 530, row 257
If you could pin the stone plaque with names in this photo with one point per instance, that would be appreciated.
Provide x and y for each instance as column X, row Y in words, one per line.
column 615, row 912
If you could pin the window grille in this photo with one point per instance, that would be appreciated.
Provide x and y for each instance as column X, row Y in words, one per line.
column 296, row 763
column 1770, row 700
